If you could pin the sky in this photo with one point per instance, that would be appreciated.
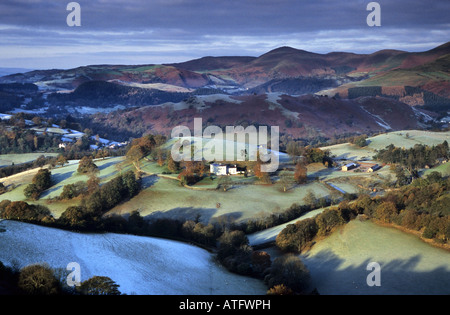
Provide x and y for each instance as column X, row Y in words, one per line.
column 34, row 33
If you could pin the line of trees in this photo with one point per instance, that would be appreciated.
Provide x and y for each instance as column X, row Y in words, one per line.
column 422, row 206
column 22, row 211
column 20, row 140
column 300, row 235
column 413, row 158
column 99, row 199
column 308, row 154
column 285, row 275
column 41, row 181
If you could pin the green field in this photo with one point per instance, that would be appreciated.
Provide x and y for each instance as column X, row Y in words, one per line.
column 444, row 169
column 408, row 266
column 8, row 159
column 402, row 139
column 163, row 195
column 408, row 138
column 167, row 198
column 61, row 176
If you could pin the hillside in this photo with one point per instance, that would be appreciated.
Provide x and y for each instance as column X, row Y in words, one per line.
column 305, row 116
column 140, row 265
column 102, row 94
column 213, row 63
column 409, row 266
column 354, row 93
column 427, row 74
column 243, row 72
column 72, row 78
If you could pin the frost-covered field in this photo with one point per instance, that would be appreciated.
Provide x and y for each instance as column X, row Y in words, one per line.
column 408, row 266
column 61, row 176
column 140, row 265
column 270, row 234
column 403, row 139
column 166, row 198
column 8, row 159
column 408, row 138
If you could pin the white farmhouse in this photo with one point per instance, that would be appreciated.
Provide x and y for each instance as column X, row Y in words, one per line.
column 225, row 169
column 218, row 169
column 232, row 170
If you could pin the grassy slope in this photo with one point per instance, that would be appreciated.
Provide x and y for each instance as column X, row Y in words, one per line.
column 8, row 159
column 270, row 234
column 60, row 176
column 167, row 198
column 397, row 138
column 444, row 169
column 140, row 265
column 408, row 265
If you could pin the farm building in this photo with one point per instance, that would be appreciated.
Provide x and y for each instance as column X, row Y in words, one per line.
column 232, row 170
column 441, row 161
column 218, row 169
column 349, row 166
column 373, row 168
column 225, row 169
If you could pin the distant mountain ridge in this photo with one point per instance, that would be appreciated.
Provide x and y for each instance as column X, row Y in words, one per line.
column 239, row 73
column 365, row 93
column 8, row 71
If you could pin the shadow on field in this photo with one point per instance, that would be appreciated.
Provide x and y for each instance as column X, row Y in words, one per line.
column 346, row 156
column 49, row 191
column 148, row 181
column 188, row 213
column 106, row 165
column 397, row 276
column 226, row 218
column 323, row 172
column 57, row 178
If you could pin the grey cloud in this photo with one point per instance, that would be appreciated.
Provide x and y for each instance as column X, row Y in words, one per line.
column 177, row 30
column 224, row 16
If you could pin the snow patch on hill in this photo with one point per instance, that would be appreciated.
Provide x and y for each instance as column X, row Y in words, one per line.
column 273, row 100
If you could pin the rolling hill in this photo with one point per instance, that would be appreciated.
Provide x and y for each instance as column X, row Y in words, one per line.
column 365, row 93
column 139, row 265
column 380, row 67
column 428, row 72
column 306, row 116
